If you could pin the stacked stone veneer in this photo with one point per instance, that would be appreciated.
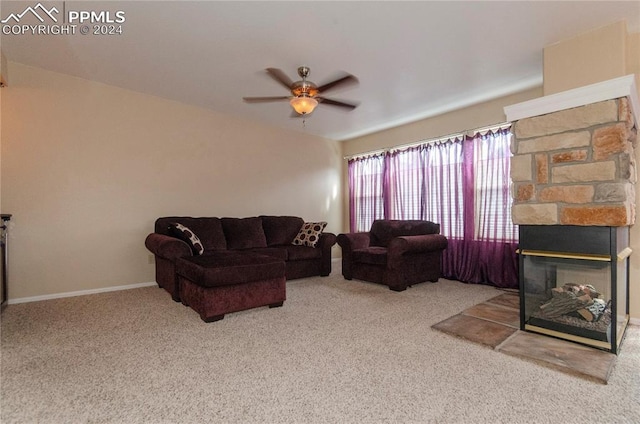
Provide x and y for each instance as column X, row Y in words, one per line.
column 575, row 166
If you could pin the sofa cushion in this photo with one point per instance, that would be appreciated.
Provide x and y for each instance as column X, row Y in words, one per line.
column 187, row 235
column 208, row 230
column 274, row 252
column 228, row 268
column 299, row 253
column 383, row 230
column 309, row 234
column 371, row 255
column 281, row 230
column 244, row 233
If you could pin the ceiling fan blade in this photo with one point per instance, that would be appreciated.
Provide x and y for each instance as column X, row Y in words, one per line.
column 264, row 99
column 326, row 101
column 342, row 81
column 281, row 77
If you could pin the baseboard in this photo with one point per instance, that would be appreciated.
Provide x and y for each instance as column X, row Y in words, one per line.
column 632, row 321
column 79, row 293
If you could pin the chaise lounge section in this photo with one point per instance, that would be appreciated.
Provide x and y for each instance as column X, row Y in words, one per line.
column 225, row 282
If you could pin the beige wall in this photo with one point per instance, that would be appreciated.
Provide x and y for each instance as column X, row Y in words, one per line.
column 633, row 56
column 87, row 168
column 598, row 55
column 4, row 77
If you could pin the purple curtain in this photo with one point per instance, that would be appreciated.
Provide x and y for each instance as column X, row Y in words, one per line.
column 462, row 184
column 486, row 251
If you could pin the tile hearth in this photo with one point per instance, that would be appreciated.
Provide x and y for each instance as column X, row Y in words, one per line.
column 495, row 324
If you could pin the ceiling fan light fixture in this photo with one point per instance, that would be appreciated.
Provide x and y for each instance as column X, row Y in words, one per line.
column 303, row 105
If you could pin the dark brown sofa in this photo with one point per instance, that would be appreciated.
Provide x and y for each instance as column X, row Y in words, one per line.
column 397, row 253
column 270, row 236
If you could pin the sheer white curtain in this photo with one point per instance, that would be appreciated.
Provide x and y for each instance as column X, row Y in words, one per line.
column 493, row 200
column 443, row 186
column 405, row 184
column 366, row 176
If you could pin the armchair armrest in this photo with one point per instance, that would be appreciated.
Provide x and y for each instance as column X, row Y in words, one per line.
column 167, row 247
column 351, row 241
column 417, row 244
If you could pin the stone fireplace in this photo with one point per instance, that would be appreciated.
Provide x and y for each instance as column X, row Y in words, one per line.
column 573, row 175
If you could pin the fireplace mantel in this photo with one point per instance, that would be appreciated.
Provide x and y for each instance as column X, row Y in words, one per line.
column 601, row 91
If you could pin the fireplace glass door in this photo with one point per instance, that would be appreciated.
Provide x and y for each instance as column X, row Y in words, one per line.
column 577, row 296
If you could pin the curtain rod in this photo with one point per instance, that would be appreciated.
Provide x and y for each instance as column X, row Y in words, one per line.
column 471, row 132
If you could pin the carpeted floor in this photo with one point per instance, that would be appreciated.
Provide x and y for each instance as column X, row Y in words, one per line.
column 495, row 323
column 337, row 352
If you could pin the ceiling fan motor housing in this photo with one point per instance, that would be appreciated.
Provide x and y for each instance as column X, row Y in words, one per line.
column 304, row 87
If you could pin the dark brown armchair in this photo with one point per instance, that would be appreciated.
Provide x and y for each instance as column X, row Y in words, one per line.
column 397, row 253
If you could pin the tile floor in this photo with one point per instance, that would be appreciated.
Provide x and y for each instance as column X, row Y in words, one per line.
column 495, row 323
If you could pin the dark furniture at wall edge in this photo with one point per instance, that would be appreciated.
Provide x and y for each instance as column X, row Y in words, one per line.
column 3, row 260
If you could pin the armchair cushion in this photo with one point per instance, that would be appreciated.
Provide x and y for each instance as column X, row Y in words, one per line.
column 372, row 255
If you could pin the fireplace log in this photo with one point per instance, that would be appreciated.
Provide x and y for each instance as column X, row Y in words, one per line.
column 564, row 302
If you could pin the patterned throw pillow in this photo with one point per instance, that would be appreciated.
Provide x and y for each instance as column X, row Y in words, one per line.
column 188, row 236
column 309, row 234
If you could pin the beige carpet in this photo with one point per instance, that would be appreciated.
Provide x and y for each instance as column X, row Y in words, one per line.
column 337, row 352
column 495, row 323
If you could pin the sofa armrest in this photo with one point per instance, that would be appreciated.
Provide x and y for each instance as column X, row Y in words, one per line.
column 351, row 241
column 326, row 241
column 167, row 247
column 417, row 244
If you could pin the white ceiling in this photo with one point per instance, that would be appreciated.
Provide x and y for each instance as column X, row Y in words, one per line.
column 413, row 59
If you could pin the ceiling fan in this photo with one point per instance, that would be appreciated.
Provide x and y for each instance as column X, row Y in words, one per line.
column 305, row 95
